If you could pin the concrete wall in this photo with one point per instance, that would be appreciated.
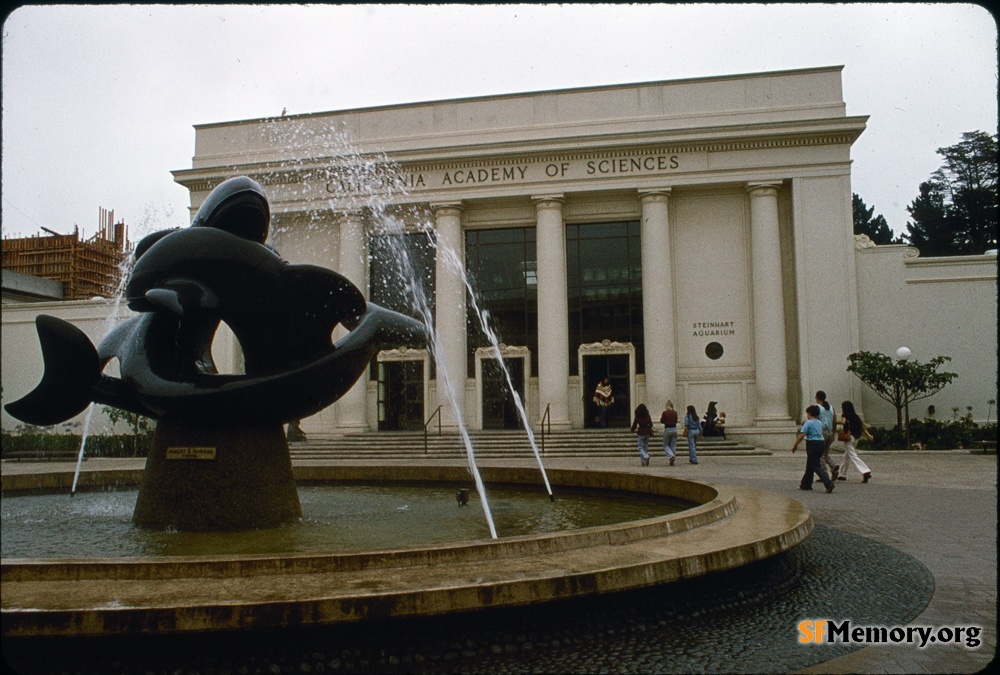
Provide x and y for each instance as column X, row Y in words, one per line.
column 22, row 355
column 936, row 307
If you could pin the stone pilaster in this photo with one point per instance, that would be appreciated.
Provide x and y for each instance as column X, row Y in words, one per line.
column 658, row 299
column 553, row 310
column 768, row 306
column 449, row 320
column 352, row 408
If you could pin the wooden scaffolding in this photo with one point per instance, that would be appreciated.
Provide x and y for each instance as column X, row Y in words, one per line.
column 87, row 268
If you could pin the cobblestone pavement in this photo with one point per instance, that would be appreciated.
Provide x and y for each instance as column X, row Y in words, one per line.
column 916, row 545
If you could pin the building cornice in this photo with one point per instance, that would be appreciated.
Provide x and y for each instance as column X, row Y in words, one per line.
column 532, row 94
column 745, row 139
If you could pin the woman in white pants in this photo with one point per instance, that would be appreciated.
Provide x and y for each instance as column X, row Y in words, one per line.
column 856, row 428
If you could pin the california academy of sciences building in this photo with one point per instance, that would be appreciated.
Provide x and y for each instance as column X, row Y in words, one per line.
column 690, row 240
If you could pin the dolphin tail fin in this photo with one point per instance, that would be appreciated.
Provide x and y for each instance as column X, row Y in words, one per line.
column 72, row 368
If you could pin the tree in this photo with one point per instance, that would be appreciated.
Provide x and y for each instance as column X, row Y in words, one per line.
column 900, row 382
column 956, row 212
column 140, row 425
column 876, row 228
column 930, row 232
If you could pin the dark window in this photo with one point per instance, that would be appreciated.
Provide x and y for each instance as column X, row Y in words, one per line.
column 501, row 265
column 395, row 262
column 604, row 285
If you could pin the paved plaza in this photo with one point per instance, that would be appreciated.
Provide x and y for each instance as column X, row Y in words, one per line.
column 938, row 507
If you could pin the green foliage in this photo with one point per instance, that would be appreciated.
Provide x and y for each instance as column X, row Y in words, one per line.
column 44, row 445
column 899, row 382
column 876, row 228
column 142, row 428
column 934, row 434
column 956, row 211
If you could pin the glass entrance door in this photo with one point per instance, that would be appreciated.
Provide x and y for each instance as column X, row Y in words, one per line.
column 499, row 409
column 400, row 395
column 615, row 367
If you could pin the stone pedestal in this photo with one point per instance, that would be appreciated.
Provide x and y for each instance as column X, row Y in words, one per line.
column 216, row 477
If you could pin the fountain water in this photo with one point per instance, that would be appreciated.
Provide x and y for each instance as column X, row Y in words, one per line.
column 174, row 596
column 375, row 177
column 453, row 263
column 124, row 267
column 417, row 295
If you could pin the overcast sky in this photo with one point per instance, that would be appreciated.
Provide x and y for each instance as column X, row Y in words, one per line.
column 100, row 102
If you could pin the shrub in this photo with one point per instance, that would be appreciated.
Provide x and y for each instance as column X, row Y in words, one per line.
column 40, row 444
column 934, row 434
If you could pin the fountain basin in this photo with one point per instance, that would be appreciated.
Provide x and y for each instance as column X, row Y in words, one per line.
column 730, row 527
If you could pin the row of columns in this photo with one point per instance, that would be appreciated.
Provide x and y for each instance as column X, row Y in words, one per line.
column 553, row 332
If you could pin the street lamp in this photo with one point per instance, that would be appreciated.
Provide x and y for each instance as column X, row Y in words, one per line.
column 903, row 355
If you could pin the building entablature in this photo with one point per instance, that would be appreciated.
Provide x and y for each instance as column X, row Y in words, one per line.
column 345, row 183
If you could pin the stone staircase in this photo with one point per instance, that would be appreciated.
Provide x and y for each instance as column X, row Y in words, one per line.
column 498, row 445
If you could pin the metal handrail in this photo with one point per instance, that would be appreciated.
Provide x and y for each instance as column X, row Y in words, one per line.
column 546, row 418
column 436, row 413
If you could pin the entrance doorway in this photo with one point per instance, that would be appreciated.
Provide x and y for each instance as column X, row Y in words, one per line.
column 400, row 395
column 615, row 367
column 499, row 409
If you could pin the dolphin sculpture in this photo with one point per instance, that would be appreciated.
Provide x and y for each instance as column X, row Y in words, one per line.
column 183, row 284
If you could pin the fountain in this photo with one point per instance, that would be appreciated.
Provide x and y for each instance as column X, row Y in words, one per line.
column 220, row 462
column 219, row 459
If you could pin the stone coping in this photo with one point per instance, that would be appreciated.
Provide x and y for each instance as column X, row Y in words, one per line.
column 730, row 527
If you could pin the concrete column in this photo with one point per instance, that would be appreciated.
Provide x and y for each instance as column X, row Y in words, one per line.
column 657, row 299
column 553, row 311
column 768, row 306
column 352, row 408
column 449, row 319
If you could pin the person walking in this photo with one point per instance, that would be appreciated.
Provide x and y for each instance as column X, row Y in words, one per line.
column 604, row 398
column 668, row 418
column 812, row 433
column 828, row 418
column 642, row 424
column 692, row 429
column 855, row 428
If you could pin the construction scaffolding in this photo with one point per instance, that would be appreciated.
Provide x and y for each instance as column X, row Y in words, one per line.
column 87, row 268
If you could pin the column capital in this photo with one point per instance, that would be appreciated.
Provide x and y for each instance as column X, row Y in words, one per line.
column 355, row 218
column 654, row 194
column 447, row 208
column 551, row 201
column 763, row 186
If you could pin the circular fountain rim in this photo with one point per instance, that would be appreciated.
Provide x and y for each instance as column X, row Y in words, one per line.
column 712, row 503
column 179, row 594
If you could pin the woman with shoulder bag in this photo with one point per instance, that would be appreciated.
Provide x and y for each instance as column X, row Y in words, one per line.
column 853, row 429
column 692, row 429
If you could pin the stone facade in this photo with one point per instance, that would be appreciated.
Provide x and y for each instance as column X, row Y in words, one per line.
column 753, row 292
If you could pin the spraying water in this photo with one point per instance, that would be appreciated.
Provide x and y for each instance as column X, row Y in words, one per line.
column 373, row 181
column 416, row 294
column 453, row 262
column 124, row 267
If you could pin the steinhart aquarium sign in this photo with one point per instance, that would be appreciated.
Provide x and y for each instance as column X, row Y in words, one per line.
column 387, row 178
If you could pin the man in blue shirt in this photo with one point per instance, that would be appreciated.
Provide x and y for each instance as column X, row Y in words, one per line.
column 827, row 416
column 812, row 433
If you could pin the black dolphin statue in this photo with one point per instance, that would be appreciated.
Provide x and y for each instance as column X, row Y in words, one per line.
column 184, row 283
